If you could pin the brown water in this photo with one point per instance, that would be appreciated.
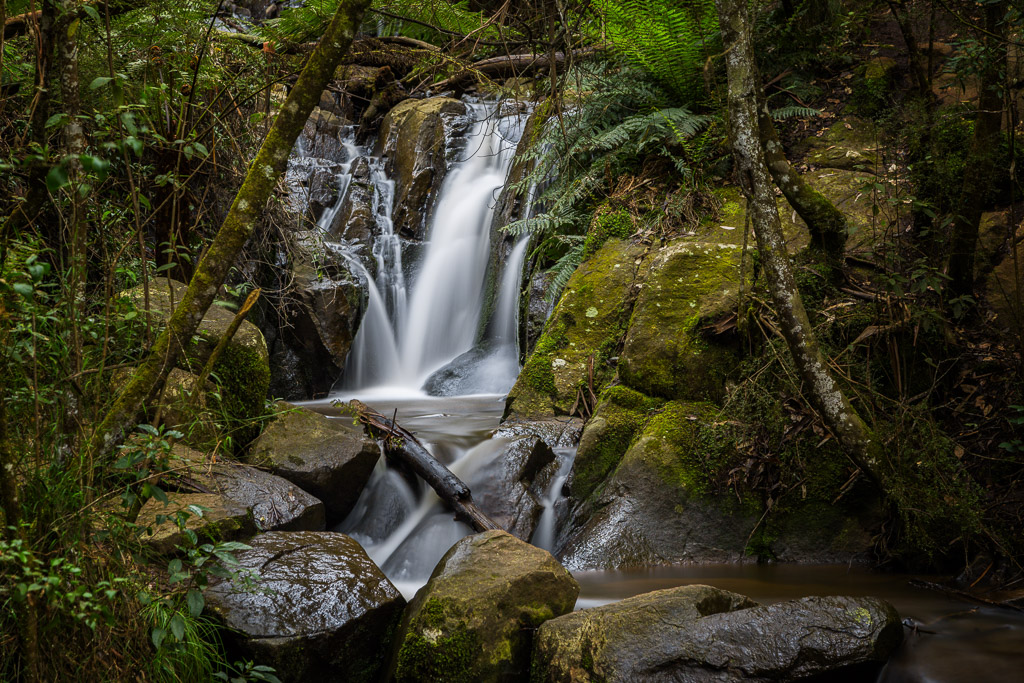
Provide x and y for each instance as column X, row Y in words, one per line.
column 955, row 641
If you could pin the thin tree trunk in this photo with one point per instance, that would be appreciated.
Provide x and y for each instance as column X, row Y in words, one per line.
column 980, row 169
column 211, row 271
column 825, row 222
column 829, row 400
column 917, row 64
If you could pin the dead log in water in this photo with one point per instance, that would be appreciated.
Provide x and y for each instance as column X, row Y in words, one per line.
column 402, row 445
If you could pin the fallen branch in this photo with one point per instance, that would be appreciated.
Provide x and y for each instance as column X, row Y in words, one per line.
column 402, row 445
column 508, row 66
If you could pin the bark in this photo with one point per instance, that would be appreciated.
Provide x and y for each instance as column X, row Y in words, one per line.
column 246, row 209
column 825, row 222
column 917, row 64
column 21, row 23
column 402, row 445
column 825, row 394
column 507, row 66
column 980, row 169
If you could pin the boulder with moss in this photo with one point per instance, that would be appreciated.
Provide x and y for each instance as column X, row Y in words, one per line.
column 699, row 633
column 584, row 331
column 851, row 144
column 241, row 373
column 328, row 457
column 475, row 618
column 211, row 516
column 665, row 352
column 413, row 141
column 321, row 610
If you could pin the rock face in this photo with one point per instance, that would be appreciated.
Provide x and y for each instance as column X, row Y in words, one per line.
column 413, row 140
column 321, row 611
column 699, row 633
column 510, row 489
column 474, row 619
column 626, row 637
column 328, row 458
column 274, row 503
column 222, row 519
column 242, row 371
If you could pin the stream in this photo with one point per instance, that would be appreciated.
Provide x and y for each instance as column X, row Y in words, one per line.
column 421, row 319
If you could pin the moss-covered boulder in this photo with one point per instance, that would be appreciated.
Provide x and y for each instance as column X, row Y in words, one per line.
column 617, row 642
column 211, row 516
column 320, row 611
column 665, row 353
column 698, row 633
column 274, row 503
column 241, row 373
column 327, row 457
column 413, row 141
column 475, row 618
column 850, row 144
column 660, row 506
column 586, row 328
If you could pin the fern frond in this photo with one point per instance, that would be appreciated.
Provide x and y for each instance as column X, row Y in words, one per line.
column 792, row 110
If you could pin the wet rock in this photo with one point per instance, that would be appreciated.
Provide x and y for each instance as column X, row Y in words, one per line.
column 561, row 433
column 657, row 508
column 474, row 619
column 242, row 372
column 507, row 489
column 328, row 458
column 665, row 352
column 322, row 134
column 478, row 371
column 620, row 640
column 355, row 221
column 321, row 610
column 275, row 503
column 588, row 321
column 323, row 190
column 413, row 139
column 719, row 636
column 211, row 516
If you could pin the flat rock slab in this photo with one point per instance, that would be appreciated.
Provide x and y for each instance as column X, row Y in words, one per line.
column 276, row 503
column 475, row 618
column 328, row 458
column 212, row 516
column 320, row 611
column 718, row 637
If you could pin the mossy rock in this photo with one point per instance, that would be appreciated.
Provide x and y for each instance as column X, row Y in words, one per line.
column 589, row 320
column 729, row 226
column 241, row 373
column 475, row 618
column 665, row 353
column 851, row 144
column 873, row 86
column 604, row 643
column 661, row 505
column 619, row 418
column 222, row 519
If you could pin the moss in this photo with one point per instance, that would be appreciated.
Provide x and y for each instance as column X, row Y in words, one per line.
column 692, row 461
column 606, row 223
column 436, row 647
column 873, row 87
column 620, row 417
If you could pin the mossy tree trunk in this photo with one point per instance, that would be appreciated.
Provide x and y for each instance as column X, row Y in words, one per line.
column 981, row 167
column 826, row 395
column 825, row 222
column 212, row 270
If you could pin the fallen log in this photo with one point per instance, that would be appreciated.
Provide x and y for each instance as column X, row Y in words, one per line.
column 508, row 66
column 402, row 445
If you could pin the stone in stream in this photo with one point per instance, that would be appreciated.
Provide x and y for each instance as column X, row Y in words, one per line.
column 275, row 503
column 699, row 633
column 508, row 488
column 211, row 516
column 474, row 620
column 320, row 611
column 329, row 458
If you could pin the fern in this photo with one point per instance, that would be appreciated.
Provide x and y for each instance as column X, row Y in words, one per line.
column 792, row 110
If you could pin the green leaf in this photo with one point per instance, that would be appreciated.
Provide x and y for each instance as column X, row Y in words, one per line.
column 97, row 83
column 157, row 636
column 177, row 627
column 23, row 288
column 195, row 602
column 56, row 178
column 91, row 11
column 56, row 120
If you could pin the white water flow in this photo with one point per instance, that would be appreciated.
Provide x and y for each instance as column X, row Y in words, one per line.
column 437, row 319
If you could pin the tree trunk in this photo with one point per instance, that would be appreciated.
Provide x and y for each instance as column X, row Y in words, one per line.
column 825, row 222
column 211, row 271
column 980, row 169
column 829, row 400
column 917, row 64
column 406, row 448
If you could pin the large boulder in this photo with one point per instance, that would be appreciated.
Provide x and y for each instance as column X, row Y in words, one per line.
column 320, row 610
column 618, row 641
column 474, row 620
column 211, row 516
column 326, row 457
column 510, row 488
column 274, row 503
column 413, row 140
column 582, row 333
column 850, row 144
column 699, row 633
column 242, row 371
